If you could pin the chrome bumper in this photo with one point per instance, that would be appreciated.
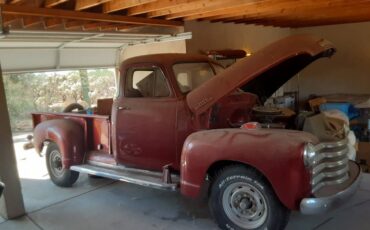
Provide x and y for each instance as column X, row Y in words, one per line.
column 319, row 205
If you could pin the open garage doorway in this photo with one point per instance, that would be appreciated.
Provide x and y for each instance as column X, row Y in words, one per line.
column 51, row 92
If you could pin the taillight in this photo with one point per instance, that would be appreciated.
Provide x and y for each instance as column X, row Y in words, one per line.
column 251, row 125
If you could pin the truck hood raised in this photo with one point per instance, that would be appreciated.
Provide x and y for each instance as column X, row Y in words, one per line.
column 262, row 73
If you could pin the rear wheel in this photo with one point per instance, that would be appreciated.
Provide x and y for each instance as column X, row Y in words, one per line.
column 58, row 174
column 242, row 199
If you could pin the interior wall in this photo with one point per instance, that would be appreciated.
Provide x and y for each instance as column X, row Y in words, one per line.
column 153, row 48
column 208, row 36
column 348, row 71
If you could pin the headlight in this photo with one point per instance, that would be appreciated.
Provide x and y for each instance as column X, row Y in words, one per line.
column 309, row 155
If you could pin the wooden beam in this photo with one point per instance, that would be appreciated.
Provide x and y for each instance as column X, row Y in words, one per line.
column 224, row 6
column 84, row 4
column 9, row 19
column 52, row 3
column 155, row 6
column 31, row 21
column 232, row 11
column 277, row 9
column 309, row 14
column 123, row 28
column 302, row 18
column 94, row 25
column 15, row 1
column 57, row 13
column 197, row 5
column 117, row 5
column 33, row 3
column 316, row 22
column 116, row 27
column 71, row 24
column 52, row 22
column 322, row 23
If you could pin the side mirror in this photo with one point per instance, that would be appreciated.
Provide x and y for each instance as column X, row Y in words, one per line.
column 1, row 188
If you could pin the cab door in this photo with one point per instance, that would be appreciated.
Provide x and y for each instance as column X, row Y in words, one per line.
column 145, row 121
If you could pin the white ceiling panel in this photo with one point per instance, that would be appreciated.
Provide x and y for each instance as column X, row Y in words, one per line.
column 24, row 51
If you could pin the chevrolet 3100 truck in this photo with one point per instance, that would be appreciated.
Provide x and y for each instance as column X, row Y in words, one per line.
column 175, row 125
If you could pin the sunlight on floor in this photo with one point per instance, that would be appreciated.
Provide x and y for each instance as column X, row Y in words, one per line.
column 30, row 164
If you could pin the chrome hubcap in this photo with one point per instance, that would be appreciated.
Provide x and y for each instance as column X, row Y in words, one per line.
column 244, row 205
column 55, row 162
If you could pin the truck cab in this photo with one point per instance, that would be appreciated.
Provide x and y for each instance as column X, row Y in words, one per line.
column 177, row 124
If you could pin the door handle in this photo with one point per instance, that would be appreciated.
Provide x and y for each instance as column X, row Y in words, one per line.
column 123, row 108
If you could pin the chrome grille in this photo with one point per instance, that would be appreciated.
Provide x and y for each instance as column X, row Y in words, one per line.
column 330, row 164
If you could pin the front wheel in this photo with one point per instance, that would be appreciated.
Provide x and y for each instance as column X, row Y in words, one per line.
column 58, row 174
column 242, row 199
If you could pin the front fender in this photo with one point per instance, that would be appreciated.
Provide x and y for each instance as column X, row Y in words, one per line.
column 277, row 154
column 67, row 134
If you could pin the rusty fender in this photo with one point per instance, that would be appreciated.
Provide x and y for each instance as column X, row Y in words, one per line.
column 67, row 134
column 277, row 154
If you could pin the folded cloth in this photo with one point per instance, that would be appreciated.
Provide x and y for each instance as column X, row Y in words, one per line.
column 337, row 114
column 324, row 128
column 363, row 105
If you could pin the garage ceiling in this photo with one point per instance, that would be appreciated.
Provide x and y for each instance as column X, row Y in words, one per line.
column 122, row 15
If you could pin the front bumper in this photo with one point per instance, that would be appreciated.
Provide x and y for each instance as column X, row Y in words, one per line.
column 317, row 205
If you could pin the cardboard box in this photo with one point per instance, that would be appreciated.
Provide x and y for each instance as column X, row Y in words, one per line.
column 363, row 155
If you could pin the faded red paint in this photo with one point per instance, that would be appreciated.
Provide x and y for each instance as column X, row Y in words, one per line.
column 85, row 132
column 67, row 134
column 247, row 69
column 150, row 132
column 277, row 154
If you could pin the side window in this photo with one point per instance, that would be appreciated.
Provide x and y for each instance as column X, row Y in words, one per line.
column 146, row 83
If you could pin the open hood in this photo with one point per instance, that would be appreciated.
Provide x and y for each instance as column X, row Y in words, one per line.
column 262, row 73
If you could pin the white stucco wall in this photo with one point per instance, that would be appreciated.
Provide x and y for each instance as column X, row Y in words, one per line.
column 163, row 47
column 207, row 36
column 348, row 71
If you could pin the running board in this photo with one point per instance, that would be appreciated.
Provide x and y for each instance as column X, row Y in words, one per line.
column 139, row 178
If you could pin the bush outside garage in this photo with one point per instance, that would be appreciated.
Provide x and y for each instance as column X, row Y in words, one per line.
column 53, row 91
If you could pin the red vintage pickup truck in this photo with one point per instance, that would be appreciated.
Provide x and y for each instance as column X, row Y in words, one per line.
column 175, row 125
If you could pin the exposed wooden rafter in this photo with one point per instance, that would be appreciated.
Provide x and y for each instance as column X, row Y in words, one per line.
column 52, row 3
column 67, row 14
column 117, row 5
column 94, row 25
column 121, row 14
column 53, row 22
column 158, row 5
column 31, row 21
column 71, row 24
column 210, row 8
column 9, row 19
column 15, row 1
column 84, row 4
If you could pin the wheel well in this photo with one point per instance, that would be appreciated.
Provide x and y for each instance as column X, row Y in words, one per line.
column 44, row 144
column 218, row 166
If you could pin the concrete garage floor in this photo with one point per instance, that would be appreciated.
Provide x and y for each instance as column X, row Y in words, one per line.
column 104, row 204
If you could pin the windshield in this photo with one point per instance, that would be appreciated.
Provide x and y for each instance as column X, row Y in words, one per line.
column 191, row 75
